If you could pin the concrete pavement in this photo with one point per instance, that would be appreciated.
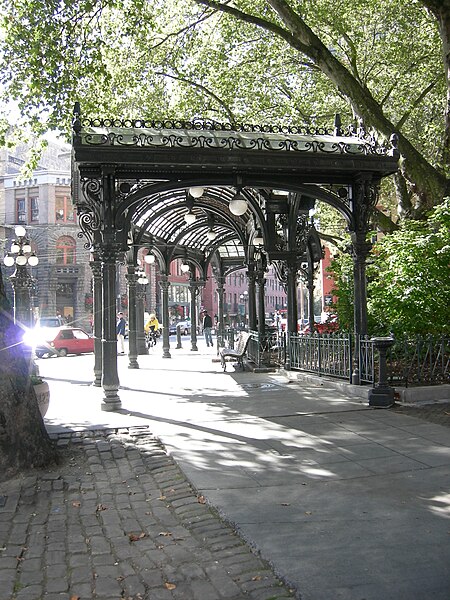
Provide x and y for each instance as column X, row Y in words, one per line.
column 346, row 502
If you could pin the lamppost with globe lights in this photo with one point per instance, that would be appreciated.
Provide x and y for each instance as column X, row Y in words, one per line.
column 19, row 256
column 244, row 299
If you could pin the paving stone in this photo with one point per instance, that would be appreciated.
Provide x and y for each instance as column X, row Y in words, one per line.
column 80, row 522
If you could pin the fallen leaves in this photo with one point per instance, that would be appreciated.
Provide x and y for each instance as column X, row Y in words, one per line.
column 133, row 537
column 170, row 586
column 101, row 507
column 165, row 533
column 201, row 499
column 76, row 503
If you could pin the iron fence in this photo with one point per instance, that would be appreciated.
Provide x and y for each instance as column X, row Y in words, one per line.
column 410, row 361
column 321, row 354
column 418, row 361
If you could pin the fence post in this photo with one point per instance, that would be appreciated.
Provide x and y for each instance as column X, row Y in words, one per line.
column 355, row 374
column 382, row 394
column 287, row 350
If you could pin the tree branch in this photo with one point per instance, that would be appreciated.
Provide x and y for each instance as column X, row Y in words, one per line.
column 204, row 89
column 416, row 103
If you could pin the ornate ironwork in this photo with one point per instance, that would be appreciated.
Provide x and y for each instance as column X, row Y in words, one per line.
column 213, row 134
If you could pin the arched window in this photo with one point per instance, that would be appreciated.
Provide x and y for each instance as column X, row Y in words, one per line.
column 65, row 251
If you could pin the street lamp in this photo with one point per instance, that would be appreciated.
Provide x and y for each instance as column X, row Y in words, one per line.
column 244, row 299
column 19, row 256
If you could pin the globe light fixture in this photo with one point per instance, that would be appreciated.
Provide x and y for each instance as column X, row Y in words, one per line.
column 150, row 258
column 19, row 256
column 20, row 231
column 190, row 217
column 9, row 260
column 211, row 235
column 238, row 205
column 185, row 267
column 196, row 192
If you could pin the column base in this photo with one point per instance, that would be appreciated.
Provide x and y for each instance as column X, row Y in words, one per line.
column 381, row 397
column 111, row 405
column 133, row 364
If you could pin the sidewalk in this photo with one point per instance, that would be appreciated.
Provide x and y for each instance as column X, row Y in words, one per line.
column 345, row 502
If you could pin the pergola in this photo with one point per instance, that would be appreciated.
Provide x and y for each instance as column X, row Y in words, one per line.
column 219, row 195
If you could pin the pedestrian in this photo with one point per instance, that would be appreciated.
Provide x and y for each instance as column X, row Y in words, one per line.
column 151, row 329
column 207, row 326
column 120, row 330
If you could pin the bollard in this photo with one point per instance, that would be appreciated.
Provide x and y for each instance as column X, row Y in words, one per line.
column 382, row 394
column 178, row 338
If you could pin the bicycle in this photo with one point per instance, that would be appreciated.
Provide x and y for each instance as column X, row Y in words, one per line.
column 151, row 338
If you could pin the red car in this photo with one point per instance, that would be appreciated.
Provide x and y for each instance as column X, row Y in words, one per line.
column 63, row 341
column 331, row 325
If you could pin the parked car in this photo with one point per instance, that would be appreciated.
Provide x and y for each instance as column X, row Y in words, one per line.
column 329, row 326
column 50, row 322
column 63, row 341
column 185, row 327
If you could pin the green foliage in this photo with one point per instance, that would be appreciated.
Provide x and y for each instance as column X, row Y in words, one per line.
column 408, row 279
column 341, row 268
column 409, row 288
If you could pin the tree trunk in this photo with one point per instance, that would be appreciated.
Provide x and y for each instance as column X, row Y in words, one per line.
column 428, row 185
column 441, row 11
column 24, row 442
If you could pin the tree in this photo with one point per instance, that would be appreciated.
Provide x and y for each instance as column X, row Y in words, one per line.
column 24, row 442
column 409, row 285
column 408, row 282
column 378, row 61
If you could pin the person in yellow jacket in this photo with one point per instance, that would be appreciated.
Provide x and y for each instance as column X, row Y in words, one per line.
column 151, row 329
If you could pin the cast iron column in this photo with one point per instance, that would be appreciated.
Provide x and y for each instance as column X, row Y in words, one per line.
column 110, row 379
column 360, row 251
column 310, row 288
column 251, row 282
column 292, row 295
column 131, row 278
column 194, row 288
column 96, row 269
column 140, row 333
column 164, row 284
column 261, row 285
column 220, row 279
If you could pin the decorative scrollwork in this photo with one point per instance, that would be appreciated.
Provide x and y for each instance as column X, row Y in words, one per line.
column 364, row 202
column 302, row 233
column 273, row 138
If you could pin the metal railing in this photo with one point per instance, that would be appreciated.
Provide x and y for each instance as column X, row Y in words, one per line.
column 418, row 361
column 410, row 361
column 321, row 354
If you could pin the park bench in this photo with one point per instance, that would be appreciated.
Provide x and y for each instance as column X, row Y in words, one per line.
column 235, row 354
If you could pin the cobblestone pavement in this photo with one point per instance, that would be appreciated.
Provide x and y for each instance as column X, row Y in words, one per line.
column 438, row 412
column 117, row 519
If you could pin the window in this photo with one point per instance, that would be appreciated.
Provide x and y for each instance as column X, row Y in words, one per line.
column 34, row 209
column 64, row 210
column 21, row 214
column 65, row 251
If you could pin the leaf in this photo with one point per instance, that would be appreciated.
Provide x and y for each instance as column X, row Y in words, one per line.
column 74, row 597
column 285, row 504
column 165, row 533
column 76, row 503
column 170, row 586
column 135, row 538
column 101, row 507
column 201, row 499
column 257, row 578
column 162, row 497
